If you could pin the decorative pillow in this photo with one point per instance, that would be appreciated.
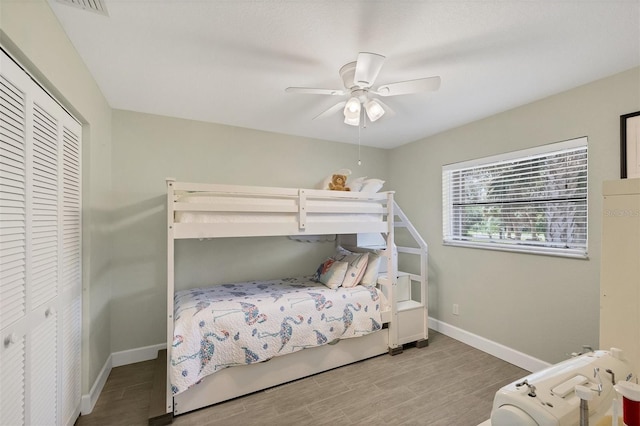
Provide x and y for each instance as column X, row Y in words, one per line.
column 357, row 265
column 370, row 275
column 331, row 273
column 372, row 185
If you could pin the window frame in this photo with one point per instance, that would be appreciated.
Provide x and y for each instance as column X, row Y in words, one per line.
column 448, row 237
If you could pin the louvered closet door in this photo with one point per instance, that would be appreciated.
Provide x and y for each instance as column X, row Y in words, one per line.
column 40, row 255
column 71, row 275
column 13, row 250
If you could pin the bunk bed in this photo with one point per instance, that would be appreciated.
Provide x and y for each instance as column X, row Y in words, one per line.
column 206, row 211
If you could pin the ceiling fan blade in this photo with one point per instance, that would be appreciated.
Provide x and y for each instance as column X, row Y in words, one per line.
column 336, row 107
column 428, row 84
column 314, row 91
column 367, row 68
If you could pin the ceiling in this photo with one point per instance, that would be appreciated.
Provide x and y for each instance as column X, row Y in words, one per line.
column 230, row 61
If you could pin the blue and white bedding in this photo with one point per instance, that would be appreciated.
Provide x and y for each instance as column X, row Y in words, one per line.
column 245, row 323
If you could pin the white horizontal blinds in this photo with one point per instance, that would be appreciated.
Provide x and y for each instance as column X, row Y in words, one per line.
column 12, row 381
column 531, row 200
column 44, row 231
column 12, row 203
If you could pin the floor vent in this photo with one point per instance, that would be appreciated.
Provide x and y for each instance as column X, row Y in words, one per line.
column 96, row 6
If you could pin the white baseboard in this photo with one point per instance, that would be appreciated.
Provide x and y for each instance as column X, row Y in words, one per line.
column 136, row 355
column 498, row 350
column 116, row 359
column 89, row 401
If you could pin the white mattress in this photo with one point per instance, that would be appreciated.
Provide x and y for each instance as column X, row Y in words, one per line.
column 244, row 323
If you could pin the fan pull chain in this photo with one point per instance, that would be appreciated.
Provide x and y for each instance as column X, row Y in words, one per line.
column 364, row 117
column 359, row 162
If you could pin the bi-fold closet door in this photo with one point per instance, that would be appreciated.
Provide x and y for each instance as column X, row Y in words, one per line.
column 40, row 254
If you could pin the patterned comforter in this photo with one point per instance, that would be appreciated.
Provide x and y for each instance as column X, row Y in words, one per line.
column 244, row 323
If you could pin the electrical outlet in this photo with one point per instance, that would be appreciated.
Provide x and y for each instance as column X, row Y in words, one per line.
column 456, row 309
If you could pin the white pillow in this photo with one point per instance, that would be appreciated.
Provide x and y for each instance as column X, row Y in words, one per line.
column 356, row 184
column 372, row 185
column 370, row 276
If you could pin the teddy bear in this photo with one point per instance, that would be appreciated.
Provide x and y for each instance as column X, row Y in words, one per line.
column 338, row 183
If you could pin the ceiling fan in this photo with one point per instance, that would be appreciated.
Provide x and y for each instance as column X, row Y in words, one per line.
column 358, row 78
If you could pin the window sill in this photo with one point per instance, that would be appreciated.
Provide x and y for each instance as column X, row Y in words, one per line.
column 545, row 251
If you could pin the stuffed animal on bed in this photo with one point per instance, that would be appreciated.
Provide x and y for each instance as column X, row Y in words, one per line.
column 338, row 183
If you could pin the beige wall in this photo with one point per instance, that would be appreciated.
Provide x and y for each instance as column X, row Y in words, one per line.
column 543, row 306
column 149, row 148
column 32, row 34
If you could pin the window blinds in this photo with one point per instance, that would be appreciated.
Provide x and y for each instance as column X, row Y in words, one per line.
column 532, row 200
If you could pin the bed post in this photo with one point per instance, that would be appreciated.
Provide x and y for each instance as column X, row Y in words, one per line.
column 170, row 288
column 392, row 275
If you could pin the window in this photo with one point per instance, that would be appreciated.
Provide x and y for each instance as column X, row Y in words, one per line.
column 532, row 201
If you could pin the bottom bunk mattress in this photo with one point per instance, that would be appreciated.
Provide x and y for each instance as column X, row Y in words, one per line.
column 244, row 323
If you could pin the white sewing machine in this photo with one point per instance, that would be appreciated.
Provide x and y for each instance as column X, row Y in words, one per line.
column 548, row 397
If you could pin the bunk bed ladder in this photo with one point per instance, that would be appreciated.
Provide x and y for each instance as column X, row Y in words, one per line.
column 408, row 292
column 412, row 305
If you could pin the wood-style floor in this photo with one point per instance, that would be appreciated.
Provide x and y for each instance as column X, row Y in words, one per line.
column 447, row 383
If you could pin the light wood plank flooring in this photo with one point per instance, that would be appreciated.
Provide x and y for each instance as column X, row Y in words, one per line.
column 446, row 383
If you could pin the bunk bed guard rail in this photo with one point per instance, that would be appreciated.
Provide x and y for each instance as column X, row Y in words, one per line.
column 213, row 211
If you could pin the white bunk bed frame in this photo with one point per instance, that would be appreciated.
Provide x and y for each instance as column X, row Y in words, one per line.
column 301, row 208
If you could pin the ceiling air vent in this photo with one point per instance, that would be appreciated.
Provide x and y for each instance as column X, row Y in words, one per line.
column 96, row 6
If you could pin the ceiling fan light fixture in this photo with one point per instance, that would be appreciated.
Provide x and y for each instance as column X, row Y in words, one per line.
column 352, row 107
column 374, row 110
column 352, row 121
column 352, row 112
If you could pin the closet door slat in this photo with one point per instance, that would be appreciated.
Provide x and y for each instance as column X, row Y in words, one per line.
column 12, row 381
column 44, row 201
column 13, row 200
column 43, row 371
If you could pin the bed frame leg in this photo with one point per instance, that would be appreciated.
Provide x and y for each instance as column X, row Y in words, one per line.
column 422, row 343
column 164, row 420
column 158, row 415
column 395, row 351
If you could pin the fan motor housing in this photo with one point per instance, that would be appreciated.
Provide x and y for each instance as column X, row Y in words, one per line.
column 347, row 74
